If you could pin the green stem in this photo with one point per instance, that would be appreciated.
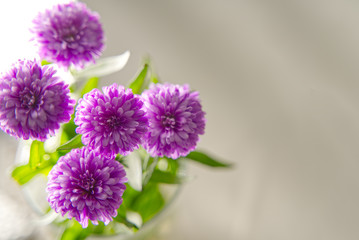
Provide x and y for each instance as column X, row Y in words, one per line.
column 148, row 173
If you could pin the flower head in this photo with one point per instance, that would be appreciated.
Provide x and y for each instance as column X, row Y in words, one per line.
column 69, row 34
column 111, row 122
column 86, row 186
column 33, row 101
column 175, row 120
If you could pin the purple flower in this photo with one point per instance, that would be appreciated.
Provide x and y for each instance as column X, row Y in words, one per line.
column 33, row 101
column 111, row 122
column 86, row 186
column 175, row 120
column 69, row 34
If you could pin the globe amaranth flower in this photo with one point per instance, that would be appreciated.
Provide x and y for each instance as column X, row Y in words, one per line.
column 69, row 34
column 33, row 101
column 111, row 122
column 175, row 120
column 86, row 186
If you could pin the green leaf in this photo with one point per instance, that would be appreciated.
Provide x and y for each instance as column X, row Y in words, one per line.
column 44, row 62
column 75, row 142
column 123, row 220
column 36, row 154
column 164, row 177
column 24, row 173
column 90, row 84
column 100, row 228
column 54, row 157
column 205, row 159
column 75, row 232
column 69, row 130
column 172, row 165
column 154, row 77
column 128, row 197
column 149, row 202
column 137, row 84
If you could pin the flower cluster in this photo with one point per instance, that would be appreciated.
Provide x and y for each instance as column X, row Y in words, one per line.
column 115, row 121
column 87, row 183
column 176, row 119
column 69, row 34
column 33, row 101
column 86, row 186
column 111, row 122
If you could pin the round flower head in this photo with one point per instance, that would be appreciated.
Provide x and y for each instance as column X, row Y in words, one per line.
column 175, row 120
column 33, row 101
column 86, row 186
column 69, row 34
column 111, row 122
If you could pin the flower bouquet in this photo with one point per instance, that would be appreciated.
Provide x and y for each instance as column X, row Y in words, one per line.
column 108, row 154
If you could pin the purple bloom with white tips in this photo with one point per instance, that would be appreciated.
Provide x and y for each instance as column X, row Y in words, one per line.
column 175, row 120
column 86, row 186
column 33, row 101
column 69, row 34
column 111, row 122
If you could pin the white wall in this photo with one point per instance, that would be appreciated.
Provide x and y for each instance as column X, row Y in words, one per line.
column 279, row 82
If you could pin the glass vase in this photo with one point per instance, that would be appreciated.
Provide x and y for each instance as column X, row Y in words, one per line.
column 49, row 225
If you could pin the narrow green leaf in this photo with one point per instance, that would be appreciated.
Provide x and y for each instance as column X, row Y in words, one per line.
column 36, row 154
column 137, row 84
column 90, row 84
column 24, row 173
column 205, row 159
column 75, row 142
column 164, row 177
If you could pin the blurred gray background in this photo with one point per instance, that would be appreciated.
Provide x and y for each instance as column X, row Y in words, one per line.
column 279, row 83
